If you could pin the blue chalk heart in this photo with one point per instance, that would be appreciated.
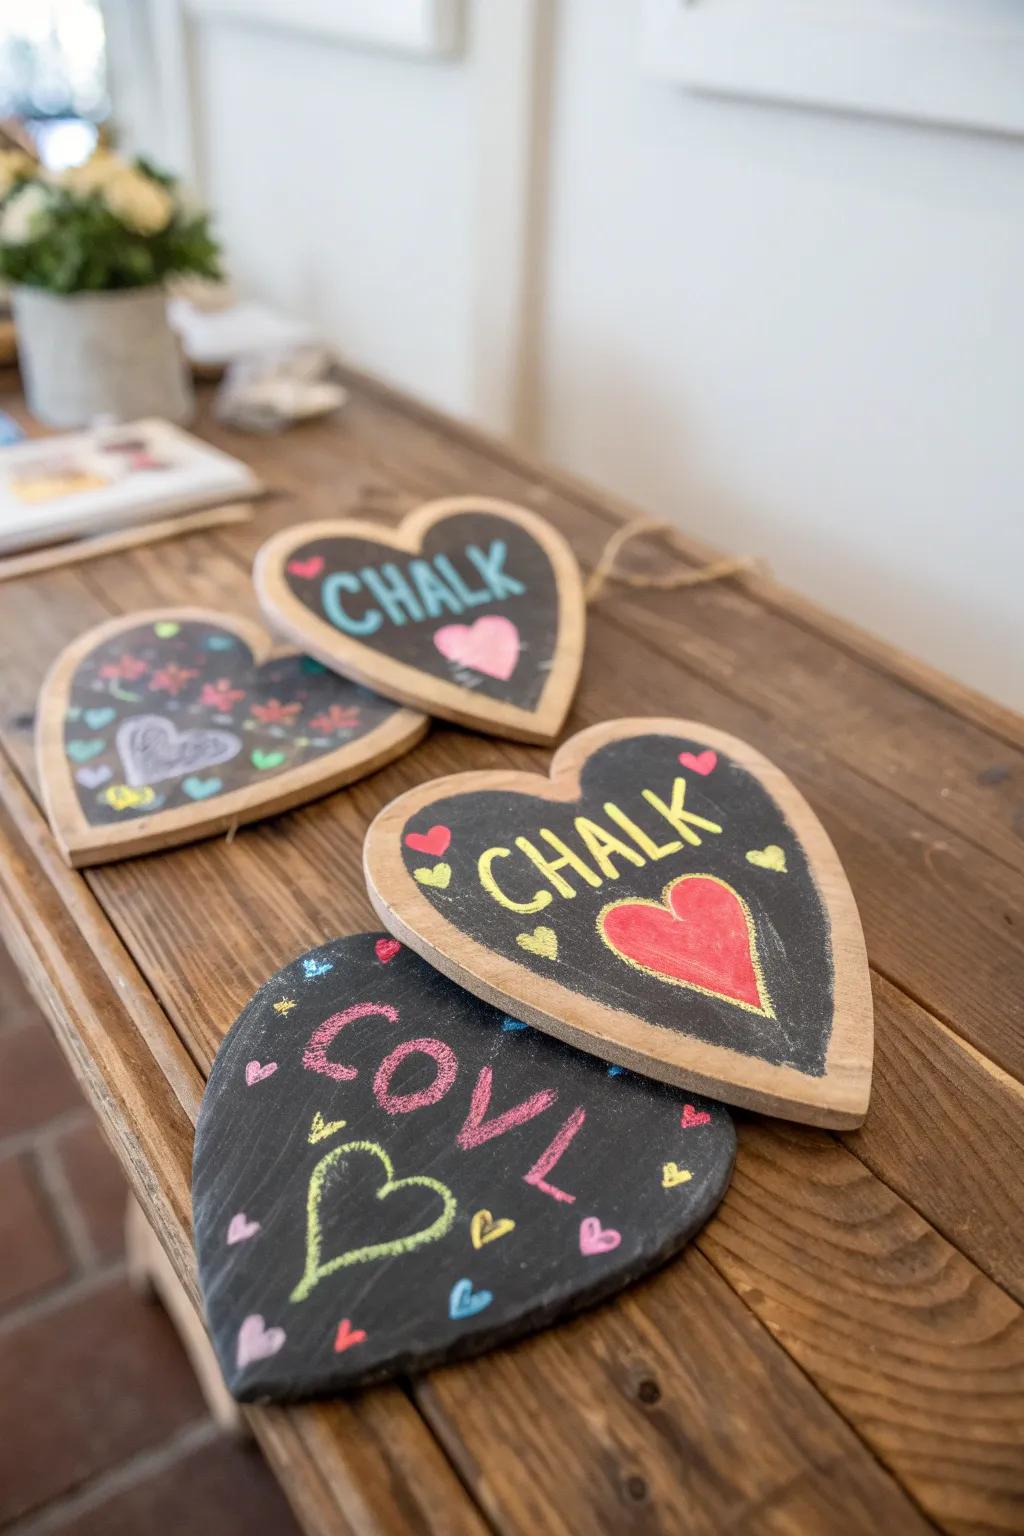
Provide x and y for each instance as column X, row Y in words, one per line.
column 508, row 1024
column 200, row 789
column 465, row 1302
column 81, row 751
column 616, row 1071
column 219, row 642
column 312, row 666
column 96, row 719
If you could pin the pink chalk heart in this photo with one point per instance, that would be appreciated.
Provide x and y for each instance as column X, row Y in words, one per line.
column 691, row 1116
column 597, row 1239
column 240, row 1228
column 306, row 568
column 702, row 763
column 256, row 1341
column 254, row 1073
column 434, row 842
column 490, row 646
column 386, row 949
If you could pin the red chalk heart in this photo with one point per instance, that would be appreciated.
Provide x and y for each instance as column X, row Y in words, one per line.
column 702, row 763
column 435, row 841
column 691, row 1116
column 347, row 1336
column 702, row 938
column 490, row 646
column 386, row 949
column 307, row 568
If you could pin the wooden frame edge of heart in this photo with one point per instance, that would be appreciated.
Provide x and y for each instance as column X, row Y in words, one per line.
column 406, row 684
column 84, row 845
column 838, row 1099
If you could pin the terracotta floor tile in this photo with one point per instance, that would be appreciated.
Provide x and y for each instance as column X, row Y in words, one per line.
column 87, row 1386
column 98, row 1187
column 220, row 1490
column 34, row 1258
column 36, row 1084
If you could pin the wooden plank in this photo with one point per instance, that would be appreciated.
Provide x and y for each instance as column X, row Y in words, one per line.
column 946, row 1131
column 664, row 1412
column 909, row 1341
column 366, row 1466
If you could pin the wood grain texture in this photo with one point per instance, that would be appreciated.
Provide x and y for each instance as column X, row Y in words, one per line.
column 873, row 1432
column 403, row 660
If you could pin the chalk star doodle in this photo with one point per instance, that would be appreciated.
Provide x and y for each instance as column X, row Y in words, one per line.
column 285, row 1005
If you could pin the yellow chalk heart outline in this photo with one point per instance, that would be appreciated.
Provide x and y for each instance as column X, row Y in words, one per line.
column 315, row 1271
column 484, row 1229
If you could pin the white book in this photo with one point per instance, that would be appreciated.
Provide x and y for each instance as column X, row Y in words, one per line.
column 68, row 487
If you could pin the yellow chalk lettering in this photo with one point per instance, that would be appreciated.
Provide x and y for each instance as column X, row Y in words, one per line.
column 683, row 821
column 566, row 860
column 601, row 844
column 652, row 849
column 491, row 886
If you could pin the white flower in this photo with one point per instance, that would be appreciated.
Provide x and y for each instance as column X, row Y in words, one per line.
column 138, row 201
column 25, row 214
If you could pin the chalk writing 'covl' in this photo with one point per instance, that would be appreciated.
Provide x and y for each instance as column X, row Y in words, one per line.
column 479, row 1126
column 426, row 590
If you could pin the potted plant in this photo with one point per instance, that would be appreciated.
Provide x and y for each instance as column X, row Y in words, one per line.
column 87, row 252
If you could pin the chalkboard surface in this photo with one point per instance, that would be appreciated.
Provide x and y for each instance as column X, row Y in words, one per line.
column 669, row 900
column 388, row 1173
column 165, row 723
column 472, row 610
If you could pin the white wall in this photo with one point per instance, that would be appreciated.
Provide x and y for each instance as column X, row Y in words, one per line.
column 801, row 335
column 798, row 333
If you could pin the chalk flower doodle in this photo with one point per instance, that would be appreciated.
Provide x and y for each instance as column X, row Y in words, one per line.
column 128, row 667
column 220, row 695
column 273, row 712
column 171, row 679
column 336, row 719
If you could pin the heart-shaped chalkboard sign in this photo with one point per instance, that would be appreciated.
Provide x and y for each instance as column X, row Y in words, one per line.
column 667, row 899
column 471, row 610
column 165, row 726
column 388, row 1174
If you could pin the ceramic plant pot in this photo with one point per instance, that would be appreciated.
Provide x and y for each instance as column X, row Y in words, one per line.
column 90, row 355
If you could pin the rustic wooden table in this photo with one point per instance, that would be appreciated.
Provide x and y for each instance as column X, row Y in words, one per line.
column 842, row 1349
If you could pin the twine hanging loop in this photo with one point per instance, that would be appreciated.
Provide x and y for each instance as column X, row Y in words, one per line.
column 686, row 576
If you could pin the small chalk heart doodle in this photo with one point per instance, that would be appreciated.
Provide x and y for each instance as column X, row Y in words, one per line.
column 413, row 1184
column 156, row 729
column 471, row 610
column 666, row 898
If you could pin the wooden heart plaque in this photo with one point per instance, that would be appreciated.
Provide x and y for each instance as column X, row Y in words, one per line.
column 667, row 899
column 389, row 1174
column 471, row 610
column 161, row 727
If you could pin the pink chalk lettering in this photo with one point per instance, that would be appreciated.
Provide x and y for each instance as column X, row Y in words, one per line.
column 315, row 1058
column 404, row 1103
column 537, row 1175
column 478, row 1129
